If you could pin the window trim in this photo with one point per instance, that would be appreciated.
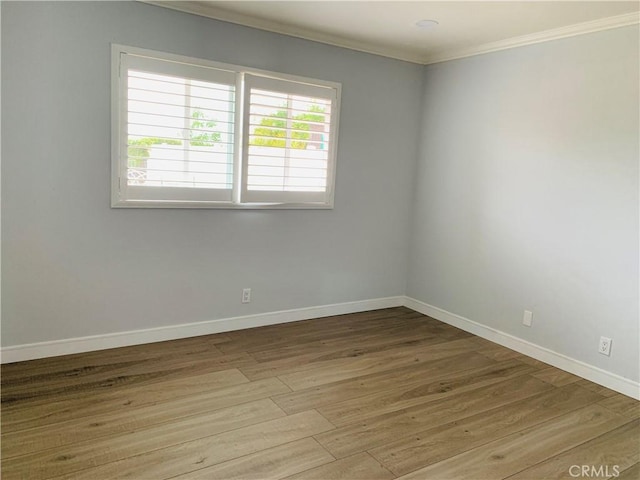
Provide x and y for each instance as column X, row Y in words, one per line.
column 119, row 142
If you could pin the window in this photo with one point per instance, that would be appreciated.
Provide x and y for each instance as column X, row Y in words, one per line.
column 197, row 134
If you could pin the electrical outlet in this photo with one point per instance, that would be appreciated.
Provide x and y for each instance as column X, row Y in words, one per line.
column 246, row 295
column 604, row 347
column 526, row 319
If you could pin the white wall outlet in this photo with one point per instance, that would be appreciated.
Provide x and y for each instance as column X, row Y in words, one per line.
column 246, row 295
column 604, row 347
column 526, row 319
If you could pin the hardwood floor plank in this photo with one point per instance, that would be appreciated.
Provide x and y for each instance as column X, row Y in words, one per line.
column 360, row 466
column 194, row 455
column 531, row 361
column 77, row 363
column 345, row 337
column 126, row 375
column 342, row 369
column 381, row 402
column 92, row 374
column 481, row 342
column 273, row 463
column 354, row 321
column 62, row 410
column 331, row 393
column 627, row 406
column 383, row 337
column 376, row 431
column 389, row 392
column 436, row 444
column 631, row 473
column 131, row 419
column 617, row 447
column 312, row 361
column 555, row 376
column 307, row 331
column 594, row 387
column 310, row 357
column 511, row 454
column 71, row 458
column 498, row 352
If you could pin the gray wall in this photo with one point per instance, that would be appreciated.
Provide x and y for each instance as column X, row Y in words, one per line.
column 527, row 194
column 73, row 267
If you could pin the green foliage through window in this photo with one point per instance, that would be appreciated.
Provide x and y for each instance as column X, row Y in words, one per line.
column 139, row 148
column 276, row 135
column 203, row 139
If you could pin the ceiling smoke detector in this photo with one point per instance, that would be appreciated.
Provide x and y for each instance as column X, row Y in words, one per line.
column 427, row 24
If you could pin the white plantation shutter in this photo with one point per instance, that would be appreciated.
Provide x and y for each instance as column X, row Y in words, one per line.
column 192, row 133
column 289, row 141
column 177, row 138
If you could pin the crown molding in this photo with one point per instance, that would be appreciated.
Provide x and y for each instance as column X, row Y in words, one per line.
column 544, row 36
column 211, row 11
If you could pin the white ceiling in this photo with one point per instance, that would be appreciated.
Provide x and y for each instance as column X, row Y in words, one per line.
column 388, row 27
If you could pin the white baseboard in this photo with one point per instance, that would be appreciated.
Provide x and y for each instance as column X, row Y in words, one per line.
column 69, row 346
column 571, row 365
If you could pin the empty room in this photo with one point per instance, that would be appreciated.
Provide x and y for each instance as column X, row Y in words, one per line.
column 320, row 240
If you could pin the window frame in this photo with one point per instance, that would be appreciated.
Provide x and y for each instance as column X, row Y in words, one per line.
column 119, row 140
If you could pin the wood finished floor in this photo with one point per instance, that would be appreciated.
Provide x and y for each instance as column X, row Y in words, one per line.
column 368, row 396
